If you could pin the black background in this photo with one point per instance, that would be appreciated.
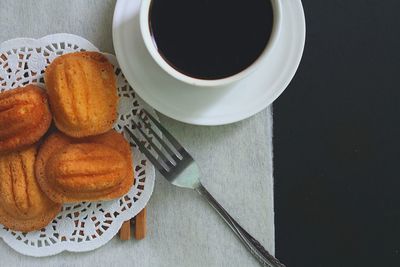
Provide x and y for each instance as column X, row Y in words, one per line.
column 337, row 139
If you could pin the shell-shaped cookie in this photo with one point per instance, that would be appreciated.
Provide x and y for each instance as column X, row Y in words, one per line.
column 86, row 169
column 24, row 117
column 23, row 205
column 83, row 93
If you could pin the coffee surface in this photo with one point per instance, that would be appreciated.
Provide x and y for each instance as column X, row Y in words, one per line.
column 211, row 39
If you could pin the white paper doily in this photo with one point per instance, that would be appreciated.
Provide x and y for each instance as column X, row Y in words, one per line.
column 88, row 225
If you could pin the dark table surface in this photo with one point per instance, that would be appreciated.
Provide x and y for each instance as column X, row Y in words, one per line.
column 337, row 140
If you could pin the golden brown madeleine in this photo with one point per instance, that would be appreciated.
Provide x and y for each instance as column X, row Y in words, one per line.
column 87, row 169
column 23, row 205
column 83, row 93
column 24, row 117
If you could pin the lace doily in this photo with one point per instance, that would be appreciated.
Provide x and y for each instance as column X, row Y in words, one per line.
column 88, row 225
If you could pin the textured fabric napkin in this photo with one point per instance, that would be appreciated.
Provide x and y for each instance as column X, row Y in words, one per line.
column 183, row 230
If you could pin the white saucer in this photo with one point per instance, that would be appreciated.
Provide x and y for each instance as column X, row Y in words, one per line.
column 208, row 106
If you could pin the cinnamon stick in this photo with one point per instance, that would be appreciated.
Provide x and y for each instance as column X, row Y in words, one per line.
column 125, row 231
column 140, row 224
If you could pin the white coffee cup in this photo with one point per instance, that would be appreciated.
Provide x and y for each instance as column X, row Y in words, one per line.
column 151, row 47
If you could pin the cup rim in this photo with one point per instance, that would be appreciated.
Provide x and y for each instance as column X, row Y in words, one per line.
column 152, row 49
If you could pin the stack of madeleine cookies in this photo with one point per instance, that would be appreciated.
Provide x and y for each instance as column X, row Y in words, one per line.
column 80, row 159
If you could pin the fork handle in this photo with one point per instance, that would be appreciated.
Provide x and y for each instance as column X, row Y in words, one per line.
column 258, row 251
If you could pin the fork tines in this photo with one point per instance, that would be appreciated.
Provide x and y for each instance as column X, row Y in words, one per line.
column 164, row 162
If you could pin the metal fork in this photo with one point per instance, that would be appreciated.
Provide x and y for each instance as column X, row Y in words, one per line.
column 179, row 168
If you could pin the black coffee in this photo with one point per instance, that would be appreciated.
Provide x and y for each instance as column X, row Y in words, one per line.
column 211, row 39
